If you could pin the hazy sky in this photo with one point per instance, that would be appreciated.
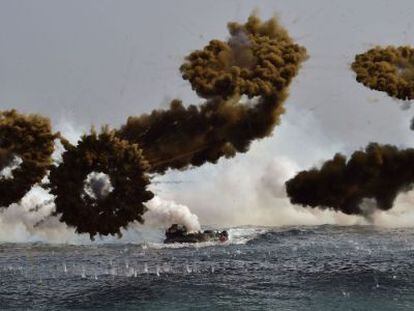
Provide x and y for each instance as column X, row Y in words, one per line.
column 87, row 62
column 95, row 62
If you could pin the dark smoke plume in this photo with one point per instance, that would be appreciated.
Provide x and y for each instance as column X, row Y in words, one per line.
column 389, row 70
column 180, row 136
column 30, row 139
column 258, row 60
column 122, row 162
column 379, row 172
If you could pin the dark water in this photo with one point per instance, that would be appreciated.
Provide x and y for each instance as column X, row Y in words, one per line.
column 302, row 268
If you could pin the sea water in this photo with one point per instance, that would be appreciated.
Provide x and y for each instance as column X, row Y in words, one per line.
column 293, row 268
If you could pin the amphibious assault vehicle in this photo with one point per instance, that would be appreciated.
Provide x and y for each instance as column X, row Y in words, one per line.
column 179, row 234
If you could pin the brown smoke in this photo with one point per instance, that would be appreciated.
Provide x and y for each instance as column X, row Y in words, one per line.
column 29, row 138
column 126, row 168
column 379, row 172
column 180, row 136
column 258, row 60
column 389, row 69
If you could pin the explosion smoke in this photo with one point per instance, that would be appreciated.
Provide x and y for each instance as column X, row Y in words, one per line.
column 389, row 70
column 28, row 141
column 126, row 168
column 374, row 177
column 258, row 60
column 380, row 172
column 180, row 137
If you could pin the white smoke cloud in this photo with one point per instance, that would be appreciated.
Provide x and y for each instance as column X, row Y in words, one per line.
column 165, row 213
column 30, row 220
column 250, row 188
column 98, row 185
column 7, row 172
column 401, row 215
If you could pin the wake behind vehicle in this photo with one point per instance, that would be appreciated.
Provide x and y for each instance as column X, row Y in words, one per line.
column 179, row 234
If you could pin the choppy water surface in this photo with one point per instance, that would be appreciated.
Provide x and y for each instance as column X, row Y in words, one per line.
column 301, row 268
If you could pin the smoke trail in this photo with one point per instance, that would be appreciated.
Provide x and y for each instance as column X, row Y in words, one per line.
column 259, row 60
column 380, row 172
column 165, row 213
column 180, row 137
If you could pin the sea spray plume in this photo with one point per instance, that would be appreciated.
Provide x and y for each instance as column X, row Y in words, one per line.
column 105, row 214
column 259, row 60
column 389, row 69
column 164, row 213
column 26, row 146
column 379, row 172
column 30, row 219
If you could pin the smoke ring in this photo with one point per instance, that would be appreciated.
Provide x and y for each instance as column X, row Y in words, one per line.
column 389, row 70
column 28, row 137
column 123, row 163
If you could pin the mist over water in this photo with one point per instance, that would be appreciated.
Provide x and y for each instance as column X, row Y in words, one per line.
column 246, row 191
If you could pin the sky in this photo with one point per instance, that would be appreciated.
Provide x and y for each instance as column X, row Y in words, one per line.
column 90, row 62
